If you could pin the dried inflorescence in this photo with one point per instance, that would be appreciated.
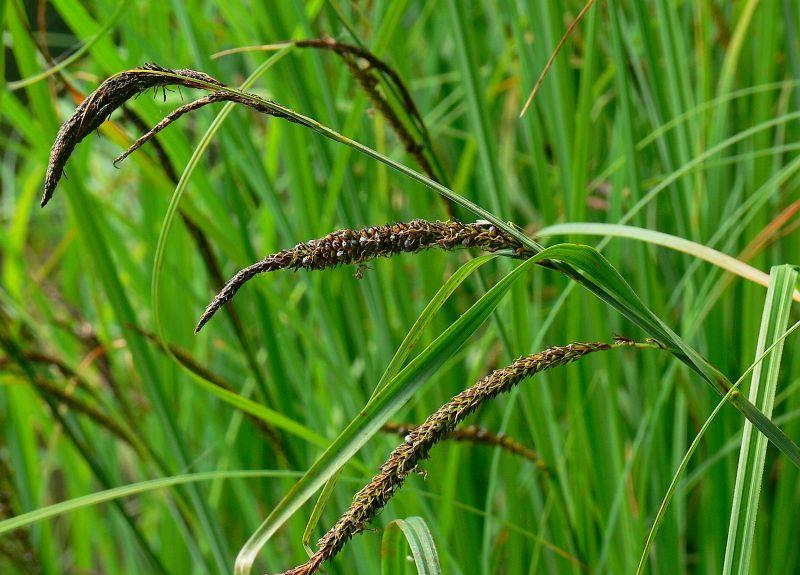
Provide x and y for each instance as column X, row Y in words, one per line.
column 120, row 88
column 99, row 105
column 480, row 435
column 419, row 441
column 357, row 246
column 170, row 118
column 363, row 65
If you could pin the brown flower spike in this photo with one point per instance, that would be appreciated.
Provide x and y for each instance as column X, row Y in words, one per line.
column 358, row 246
column 120, row 88
column 99, row 105
column 419, row 441
column 478, row 435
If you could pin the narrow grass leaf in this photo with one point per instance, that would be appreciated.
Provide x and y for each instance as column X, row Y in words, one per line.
column 705, row 253
column 752, row 454
column 608, row 284
column 418, row 537
column 659, row 519
column 427, row 315
column 70, row 505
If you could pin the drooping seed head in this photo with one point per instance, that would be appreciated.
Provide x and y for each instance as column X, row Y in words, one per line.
column 420, row 440
column 375, row 241
column 99, row 105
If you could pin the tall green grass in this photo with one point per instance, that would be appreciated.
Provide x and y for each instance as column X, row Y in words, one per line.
column 664, row 135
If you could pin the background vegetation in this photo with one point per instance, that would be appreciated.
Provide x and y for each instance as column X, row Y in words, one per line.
column 680, row 117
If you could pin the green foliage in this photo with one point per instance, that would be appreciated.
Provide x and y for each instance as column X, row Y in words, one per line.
column 660, row 124
column 763, row 387
column 419, row 539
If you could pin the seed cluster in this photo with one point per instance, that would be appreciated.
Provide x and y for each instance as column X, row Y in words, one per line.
column 419, row 441
column 212, row 98
column 357, row 246
column 99, row 105
column 363, row 65
column 480, row 435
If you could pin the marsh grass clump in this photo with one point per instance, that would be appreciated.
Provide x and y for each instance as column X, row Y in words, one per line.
column 438, row 426
column 347, row 246
column 682, row 180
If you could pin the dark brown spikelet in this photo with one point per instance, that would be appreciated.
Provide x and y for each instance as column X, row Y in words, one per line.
column 357, row 246
column 171, row 117
column 419, row 441
column 362, row 65
column 99, row 105
column 479, row 435
column 351, row 51
column 212, row 98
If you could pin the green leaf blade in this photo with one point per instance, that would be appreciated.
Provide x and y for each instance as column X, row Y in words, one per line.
column 752, row 454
